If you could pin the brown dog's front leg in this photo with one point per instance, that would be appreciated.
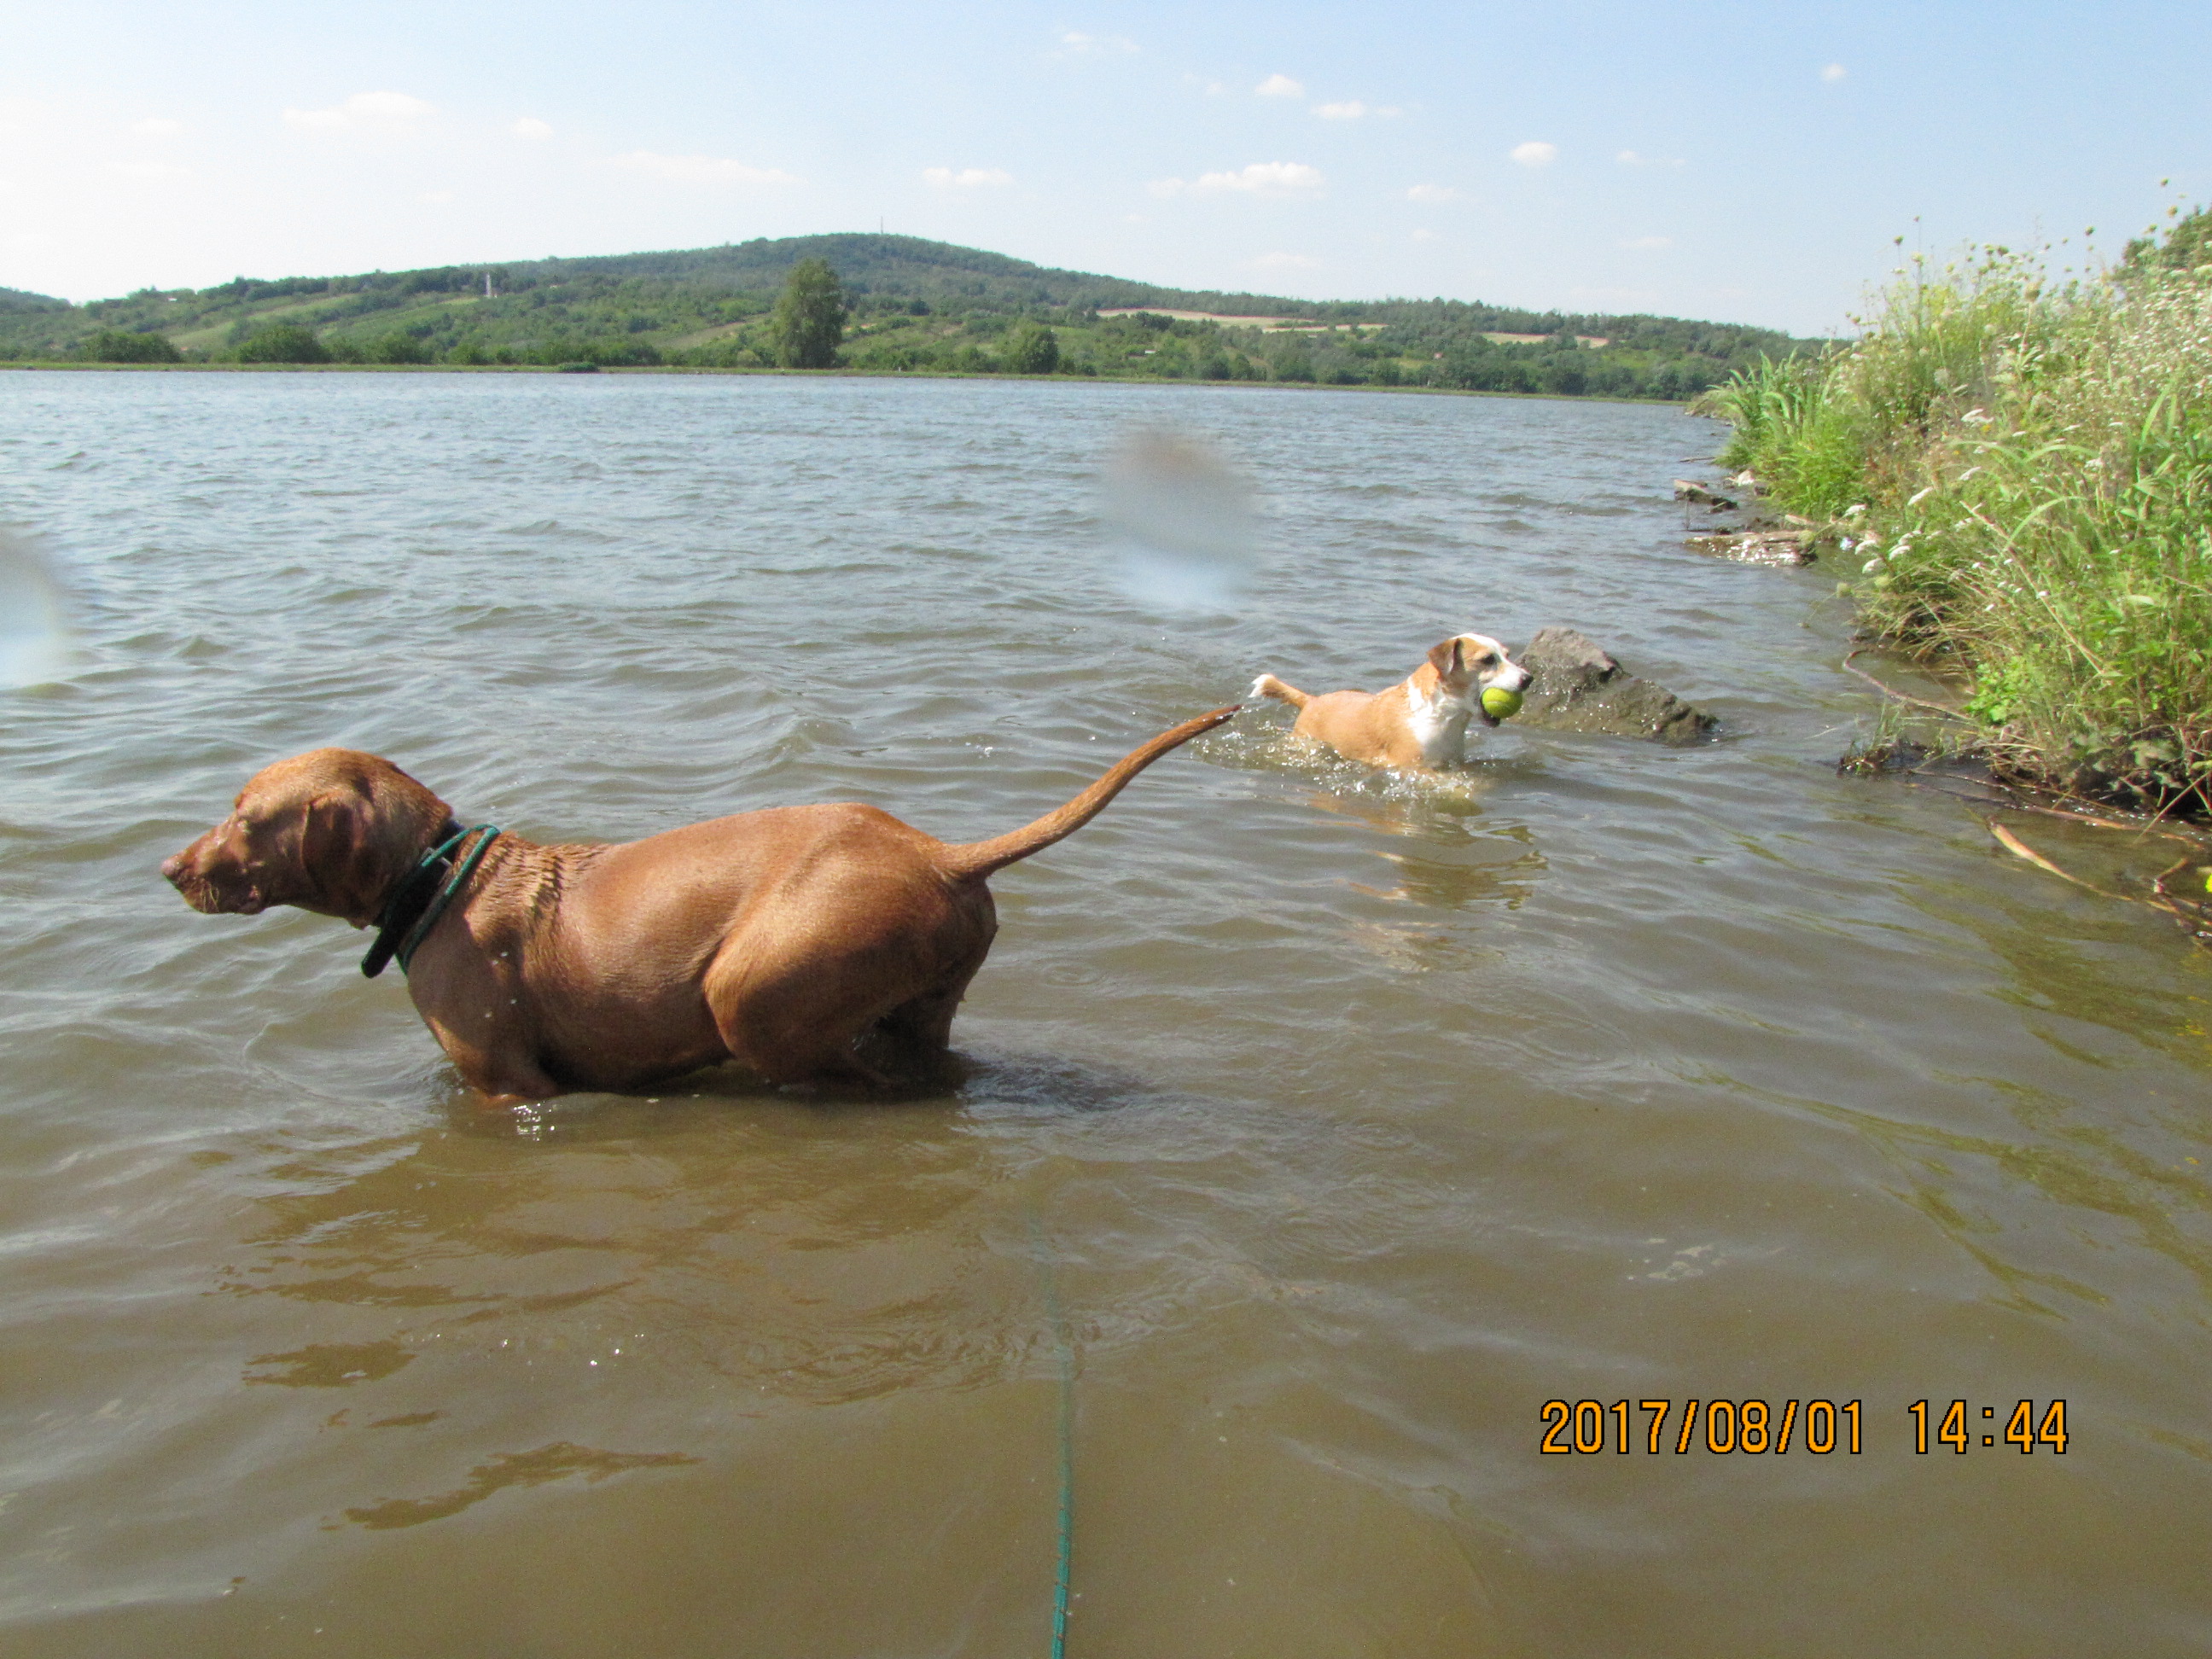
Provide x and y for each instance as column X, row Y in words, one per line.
column 501, row 1078
column 509, row 1090
column 489, row 1103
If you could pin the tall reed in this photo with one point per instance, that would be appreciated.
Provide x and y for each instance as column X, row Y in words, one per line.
column 2022, row 471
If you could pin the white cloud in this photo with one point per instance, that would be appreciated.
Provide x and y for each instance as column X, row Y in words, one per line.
column 1287, row 262
column 1425, row 235
column 1629, row 158
column 966, row 178
column 1649, row 242
column 153, row 170
column 1074, row 44
column 156, row 126
column 1354, row 110
column 699, row 169
column 531, row 127
column 1431, row 193
column 365, row 112
column 20, row 114
column 437, row 197
column 1260, row 179
column 1833, row 72
column 1280, row 86
column 1535, row 153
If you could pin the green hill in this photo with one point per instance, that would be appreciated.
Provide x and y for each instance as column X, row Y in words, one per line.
column 917, row 307
column 15, row 299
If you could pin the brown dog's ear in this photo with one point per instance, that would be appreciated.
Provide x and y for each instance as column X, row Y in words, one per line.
column 336, row 858
column 1445, row 658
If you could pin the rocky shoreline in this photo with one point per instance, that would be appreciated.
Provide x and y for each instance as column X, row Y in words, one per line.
column 1748, row 535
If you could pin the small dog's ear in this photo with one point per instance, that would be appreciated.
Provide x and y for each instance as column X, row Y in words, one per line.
column 1445, row 658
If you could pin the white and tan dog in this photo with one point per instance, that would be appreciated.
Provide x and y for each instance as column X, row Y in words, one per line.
column 1419, row 723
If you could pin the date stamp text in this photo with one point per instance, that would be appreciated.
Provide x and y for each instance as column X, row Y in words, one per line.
column 1778, row 1427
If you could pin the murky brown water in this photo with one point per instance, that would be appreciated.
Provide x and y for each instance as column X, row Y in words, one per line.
column 1347, row 1124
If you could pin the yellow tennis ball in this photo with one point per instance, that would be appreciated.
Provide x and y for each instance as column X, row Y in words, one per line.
column 1500, row 704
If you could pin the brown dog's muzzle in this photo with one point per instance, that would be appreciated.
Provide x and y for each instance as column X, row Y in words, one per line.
column 212, row 883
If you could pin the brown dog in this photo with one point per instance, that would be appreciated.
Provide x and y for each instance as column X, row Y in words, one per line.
column 1419, row 723
column 778, row 938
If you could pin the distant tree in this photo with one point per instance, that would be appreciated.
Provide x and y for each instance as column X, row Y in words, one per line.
column 119, row 345
column 1563, row 377
column 282, row 342
column 398, row 347
column 1033, row 349
column 2188, row 245
column 810, row 316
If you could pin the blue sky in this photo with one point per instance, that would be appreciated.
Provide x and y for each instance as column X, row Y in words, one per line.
column 1743, row 162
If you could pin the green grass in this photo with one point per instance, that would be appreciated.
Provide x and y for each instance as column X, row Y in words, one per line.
column 2022, row 471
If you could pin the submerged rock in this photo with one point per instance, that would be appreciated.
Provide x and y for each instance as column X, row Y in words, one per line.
column 1759, row 546
column 1576, row 687
column 1687, row 490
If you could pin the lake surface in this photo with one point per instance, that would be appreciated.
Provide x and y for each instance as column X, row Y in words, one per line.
column 1331, row 1126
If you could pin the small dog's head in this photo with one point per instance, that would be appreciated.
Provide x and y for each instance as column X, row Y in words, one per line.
column 1469, row 664
column 330, row 830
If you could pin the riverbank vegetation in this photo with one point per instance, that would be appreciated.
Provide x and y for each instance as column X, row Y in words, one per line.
column 2019, row 471
column 911, row 307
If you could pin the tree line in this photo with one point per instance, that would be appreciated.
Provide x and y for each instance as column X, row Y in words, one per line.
column 890, row 305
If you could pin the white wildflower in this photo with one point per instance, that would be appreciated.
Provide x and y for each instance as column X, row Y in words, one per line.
column 1923, row 496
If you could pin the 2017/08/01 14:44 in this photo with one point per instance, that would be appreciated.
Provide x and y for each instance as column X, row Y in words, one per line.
column 1819, row 1426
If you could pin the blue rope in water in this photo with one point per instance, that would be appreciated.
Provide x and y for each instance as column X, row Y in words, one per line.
column 1066, row 1350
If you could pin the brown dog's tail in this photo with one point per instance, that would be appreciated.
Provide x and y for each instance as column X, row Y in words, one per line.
column 977, row 859
column 1268, row 686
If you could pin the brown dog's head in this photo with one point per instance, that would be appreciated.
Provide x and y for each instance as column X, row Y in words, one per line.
column 331, row 830
column 1469, row 664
